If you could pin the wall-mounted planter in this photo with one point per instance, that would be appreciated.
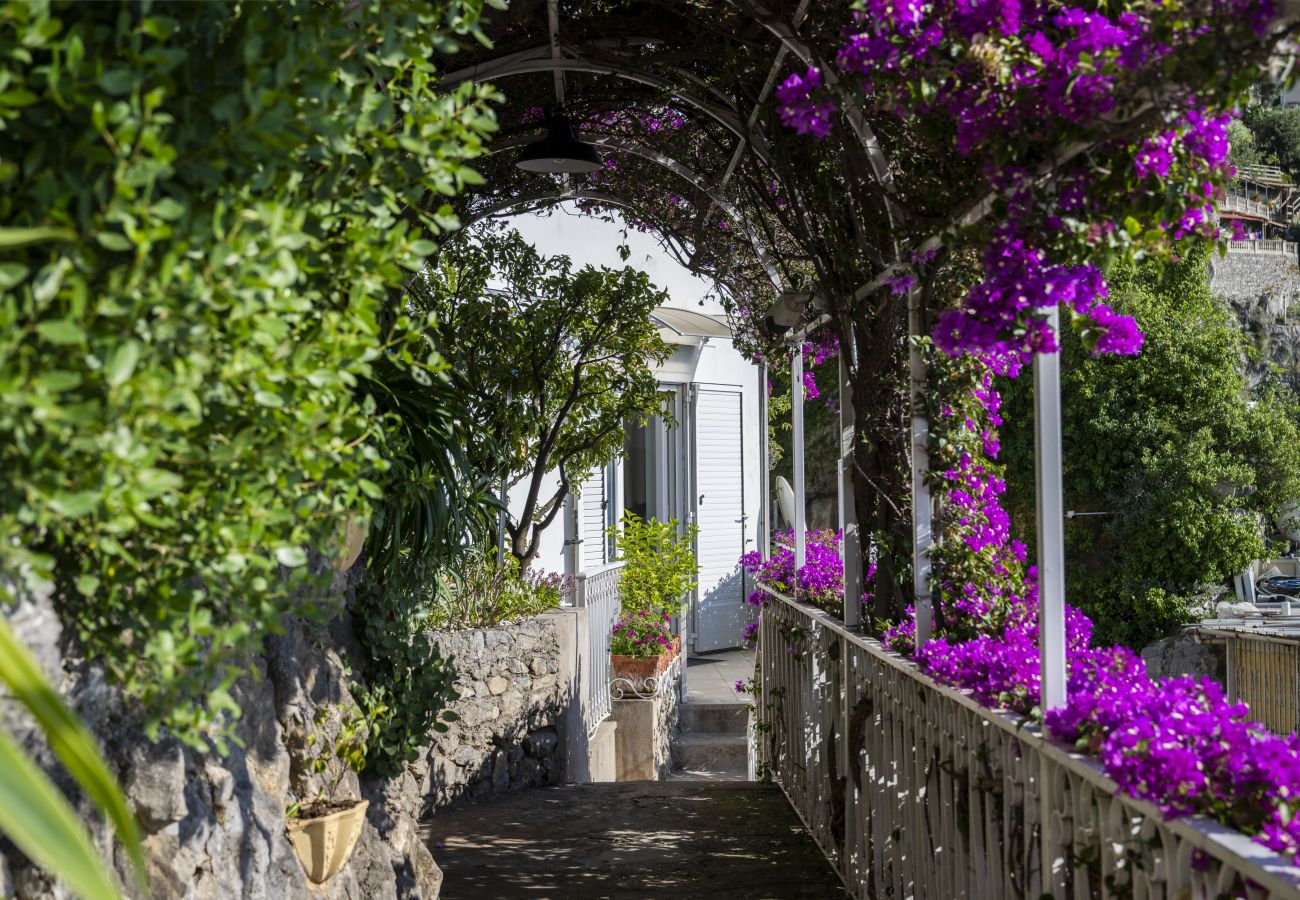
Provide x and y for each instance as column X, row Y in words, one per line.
column 324, row 844
column 354, row 538
column 641, row 668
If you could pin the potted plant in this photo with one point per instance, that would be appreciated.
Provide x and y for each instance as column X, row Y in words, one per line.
column 324, row 831
column 642, row 645
column 659, row 567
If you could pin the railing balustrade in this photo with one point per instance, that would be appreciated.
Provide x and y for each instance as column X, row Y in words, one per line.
column 913, row 789
column 1285, row 248
column 1244, row 205
column 597, row 591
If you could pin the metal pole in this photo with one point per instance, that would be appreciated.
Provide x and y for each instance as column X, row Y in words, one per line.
column 922, row 525
column 851, row 545
column 1051, row 521
column 796, row 416
column 764, row 469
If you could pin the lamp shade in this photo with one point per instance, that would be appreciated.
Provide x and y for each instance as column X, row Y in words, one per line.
column 560, row 152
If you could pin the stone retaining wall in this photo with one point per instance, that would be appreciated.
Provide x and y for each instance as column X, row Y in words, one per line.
column 505, row 737
column 214, row 825
column 1181, row 654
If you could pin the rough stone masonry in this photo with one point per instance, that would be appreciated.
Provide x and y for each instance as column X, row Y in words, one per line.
column 215, row 825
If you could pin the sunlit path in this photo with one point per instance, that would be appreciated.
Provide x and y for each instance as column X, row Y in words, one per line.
column 621, row 841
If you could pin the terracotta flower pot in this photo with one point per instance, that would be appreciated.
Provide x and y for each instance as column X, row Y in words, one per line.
column 642, row 668
column 325, row 843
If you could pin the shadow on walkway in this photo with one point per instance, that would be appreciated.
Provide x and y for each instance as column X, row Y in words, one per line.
column 648, row 839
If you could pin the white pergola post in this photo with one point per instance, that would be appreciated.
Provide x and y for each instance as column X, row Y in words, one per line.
column 851, row 545
column 922, row 508
column 796, row 446
column 1051, row 522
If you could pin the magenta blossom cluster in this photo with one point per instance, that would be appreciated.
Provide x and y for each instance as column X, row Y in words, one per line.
column 804, row 106
column 821, row 580
column 641, row 633
column 1000, row 315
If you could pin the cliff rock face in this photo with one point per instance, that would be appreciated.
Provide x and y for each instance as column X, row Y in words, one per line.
column 214, row 824
column 1263, row 290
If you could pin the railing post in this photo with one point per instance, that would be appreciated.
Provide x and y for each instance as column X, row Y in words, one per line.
column 1051, row 521
column 796, row 421
column 851, row 543
column 922, row 527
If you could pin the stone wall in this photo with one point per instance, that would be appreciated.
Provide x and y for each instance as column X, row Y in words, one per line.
column 505, row 737
column 1181, row 654
column 214, row 825
column 1263, row 290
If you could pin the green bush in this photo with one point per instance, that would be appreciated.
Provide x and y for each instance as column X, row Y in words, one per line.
column 659, row 566
column 482, row 593
column 1170, row 447
column 209, row 209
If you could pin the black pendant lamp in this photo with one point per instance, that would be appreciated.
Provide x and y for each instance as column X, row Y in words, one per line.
column 560, row 152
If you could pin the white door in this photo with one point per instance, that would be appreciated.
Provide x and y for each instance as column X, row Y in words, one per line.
column 721, row 612
column 593, row 520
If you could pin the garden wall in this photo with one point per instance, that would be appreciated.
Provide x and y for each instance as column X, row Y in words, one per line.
column 506, row 737
column 214, row 825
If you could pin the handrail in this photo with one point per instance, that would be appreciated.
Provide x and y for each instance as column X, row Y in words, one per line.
column 885, row 765
column 597, row 591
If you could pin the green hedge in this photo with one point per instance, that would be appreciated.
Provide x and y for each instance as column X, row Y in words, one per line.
column 209, row 208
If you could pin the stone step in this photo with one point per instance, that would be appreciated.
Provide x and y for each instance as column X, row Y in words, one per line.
column 714, row 718
column 711, row 777
column 720, row 754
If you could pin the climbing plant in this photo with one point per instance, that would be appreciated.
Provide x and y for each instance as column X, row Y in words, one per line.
column 227, row 197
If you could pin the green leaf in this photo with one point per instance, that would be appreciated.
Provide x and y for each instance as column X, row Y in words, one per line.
column 370, row 489
column 111, row 240
column 293, row 557
column 268, row 399
column 61, row 331
column 36, row 817
column 29, row 814
column 12, row 274
column 75, row 505
column 117, row 81
column 122, row 362
column 21, row 237
column 18, row 97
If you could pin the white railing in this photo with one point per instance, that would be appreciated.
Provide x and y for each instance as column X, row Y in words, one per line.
column 914, row 790
column 1266, row 174
column 597, row 591
column 1239, row 204
column 1284, row 248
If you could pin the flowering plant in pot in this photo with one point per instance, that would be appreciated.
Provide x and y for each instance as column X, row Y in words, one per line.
column 642, row 644
column 324, row 830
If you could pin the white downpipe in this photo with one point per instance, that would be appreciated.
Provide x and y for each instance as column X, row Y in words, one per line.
column 796, row 417
column 1051, row 521
column 922, row 508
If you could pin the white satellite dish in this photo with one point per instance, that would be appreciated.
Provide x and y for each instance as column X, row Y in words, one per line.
column 785, row 499
column 1288, row 521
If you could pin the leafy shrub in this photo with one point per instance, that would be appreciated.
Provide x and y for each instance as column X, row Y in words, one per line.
column 213, row 205
column 641, row 633
column 1170, row 447
column 407, row 684
column 483, row 594
column 659, row 565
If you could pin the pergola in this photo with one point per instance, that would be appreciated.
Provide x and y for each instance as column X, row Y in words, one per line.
column 681, row 98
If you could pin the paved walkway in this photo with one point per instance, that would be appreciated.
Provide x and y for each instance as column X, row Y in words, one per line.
column 631, row 840
column 711, row 677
